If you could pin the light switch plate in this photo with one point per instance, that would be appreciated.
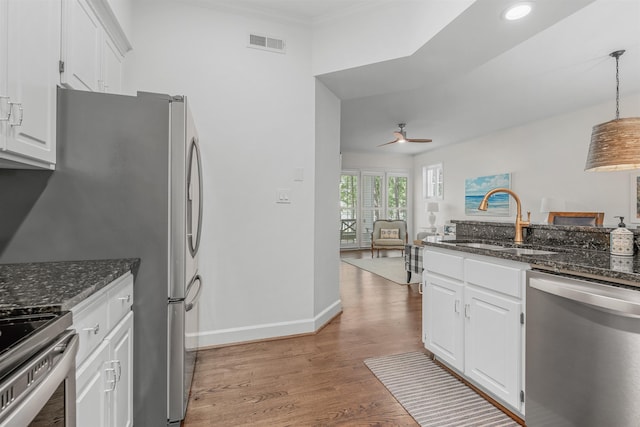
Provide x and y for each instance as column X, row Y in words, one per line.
column 283, row 195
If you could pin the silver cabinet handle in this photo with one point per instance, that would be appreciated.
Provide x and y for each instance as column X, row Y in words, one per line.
column 112, row 382
column 95, row 329
column 116, row 371
column 12, row 113
column 5, row 110
column 456, row 306
column 420, row 287
column 125, row 299
column 119, row 365
column 467, row 310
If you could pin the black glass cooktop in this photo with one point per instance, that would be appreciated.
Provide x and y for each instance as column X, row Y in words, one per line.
column 22, row 336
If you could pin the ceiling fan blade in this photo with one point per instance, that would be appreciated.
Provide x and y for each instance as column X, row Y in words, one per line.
column 387, row 143
column 418, row 140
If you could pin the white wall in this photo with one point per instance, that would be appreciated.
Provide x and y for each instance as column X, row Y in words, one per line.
column 255, row 113
column 327, row 173
column 545, row 158
column 372, row 161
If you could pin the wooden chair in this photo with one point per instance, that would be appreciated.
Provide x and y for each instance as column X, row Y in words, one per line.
column 576, row 218
column 389, row 234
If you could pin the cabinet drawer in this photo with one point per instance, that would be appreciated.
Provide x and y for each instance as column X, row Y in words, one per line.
column 92, row 326
column 120, row 300
column 445, row 264
column 500, row 278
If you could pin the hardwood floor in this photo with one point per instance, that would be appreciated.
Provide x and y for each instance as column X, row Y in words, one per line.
column 314, row 380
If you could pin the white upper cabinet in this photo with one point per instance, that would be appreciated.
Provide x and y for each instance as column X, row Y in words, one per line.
column 93, row 46
column 81, row 44
column 29, row 53
column 112, row 62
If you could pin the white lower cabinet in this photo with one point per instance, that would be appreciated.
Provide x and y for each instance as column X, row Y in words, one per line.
column 91, row 406
column 443, row 320
column 472, row 308
column 493, row 343
column 104, row 374
column 120, row 373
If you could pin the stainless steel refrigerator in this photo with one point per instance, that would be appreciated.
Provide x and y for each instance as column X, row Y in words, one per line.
column 128, row 183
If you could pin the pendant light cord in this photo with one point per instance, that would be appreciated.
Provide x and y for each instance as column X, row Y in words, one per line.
column 617, row 90
column 617, row 55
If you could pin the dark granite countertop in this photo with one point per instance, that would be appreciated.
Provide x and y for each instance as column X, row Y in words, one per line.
column 577, row 261
column 56, row 286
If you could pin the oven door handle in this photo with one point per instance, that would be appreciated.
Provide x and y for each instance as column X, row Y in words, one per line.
column 30, row 405
column 609, row 303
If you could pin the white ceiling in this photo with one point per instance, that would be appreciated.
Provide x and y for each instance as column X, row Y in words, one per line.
column 480, row 73
column 300, row 11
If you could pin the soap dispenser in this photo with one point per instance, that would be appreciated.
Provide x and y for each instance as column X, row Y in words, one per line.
column 621, row 240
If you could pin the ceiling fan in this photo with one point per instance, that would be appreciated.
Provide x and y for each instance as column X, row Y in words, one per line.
column 401, row 137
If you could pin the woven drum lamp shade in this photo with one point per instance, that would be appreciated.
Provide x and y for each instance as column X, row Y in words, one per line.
column 615, row 145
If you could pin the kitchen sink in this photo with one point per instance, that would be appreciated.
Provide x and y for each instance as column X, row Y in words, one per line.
column 526, row 251
column 501, row 248
column 482, row 246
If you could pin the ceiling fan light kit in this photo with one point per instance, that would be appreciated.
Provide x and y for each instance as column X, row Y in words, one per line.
column 615, row 145
column 401, row 137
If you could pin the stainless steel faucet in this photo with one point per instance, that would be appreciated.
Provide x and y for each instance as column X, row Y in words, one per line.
column 484, row 204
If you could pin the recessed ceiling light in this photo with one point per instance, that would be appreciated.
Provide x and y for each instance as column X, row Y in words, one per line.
column 517, row 11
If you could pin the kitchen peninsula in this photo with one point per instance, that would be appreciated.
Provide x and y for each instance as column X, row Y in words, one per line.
column 524, row 322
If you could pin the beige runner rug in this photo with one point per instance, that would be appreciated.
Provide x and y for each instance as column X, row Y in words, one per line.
column 432, row 396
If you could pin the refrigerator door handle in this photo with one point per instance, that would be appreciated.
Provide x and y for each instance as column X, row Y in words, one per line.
column 194, row 153
column 189, row 304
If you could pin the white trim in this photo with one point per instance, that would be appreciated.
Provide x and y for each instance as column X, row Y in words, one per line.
column 109, row 21
column 327, row 314
column 265, row 331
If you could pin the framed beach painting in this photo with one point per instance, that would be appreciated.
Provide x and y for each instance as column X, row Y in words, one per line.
column 634, row 198
column 476, row 188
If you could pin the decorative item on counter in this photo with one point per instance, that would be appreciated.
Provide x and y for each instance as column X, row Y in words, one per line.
column 449, row 230
column 431, row 208
column 622, row 263
column 621, row 240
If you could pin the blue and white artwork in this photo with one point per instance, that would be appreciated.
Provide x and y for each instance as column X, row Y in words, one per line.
column 476, row 188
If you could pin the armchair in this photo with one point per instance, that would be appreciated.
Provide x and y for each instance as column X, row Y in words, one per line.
column 388, row 234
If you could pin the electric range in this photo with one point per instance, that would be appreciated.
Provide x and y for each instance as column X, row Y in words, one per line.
column 22, row 335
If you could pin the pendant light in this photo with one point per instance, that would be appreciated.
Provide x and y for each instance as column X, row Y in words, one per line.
column 615, row 145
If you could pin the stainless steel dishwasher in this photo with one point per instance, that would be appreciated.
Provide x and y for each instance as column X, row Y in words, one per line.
column 582, row 353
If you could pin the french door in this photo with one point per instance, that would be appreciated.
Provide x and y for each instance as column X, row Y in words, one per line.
column 366, row 197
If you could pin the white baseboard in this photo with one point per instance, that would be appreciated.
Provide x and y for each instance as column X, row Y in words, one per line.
column 327, row 314
column 243, row 334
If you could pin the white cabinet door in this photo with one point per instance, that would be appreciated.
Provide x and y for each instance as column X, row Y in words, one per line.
column 443, row 321
column 92, row 400
column 91, row 59
column 111, row 67
column 121, row 354
column 81, row 47
column 30, row 49
column 492, row 345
